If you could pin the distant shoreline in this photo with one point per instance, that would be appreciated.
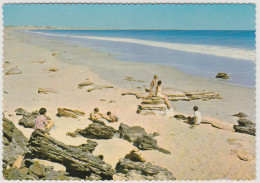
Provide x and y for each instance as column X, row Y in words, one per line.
column 80, row 28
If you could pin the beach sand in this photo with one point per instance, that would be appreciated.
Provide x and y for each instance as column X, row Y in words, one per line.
column 202, row 153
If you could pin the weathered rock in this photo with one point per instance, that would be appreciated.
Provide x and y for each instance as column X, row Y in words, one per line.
column 146, row 170
column 242, row 154
column 53, row 69
column 131, row 133
column 222, row 75
column 14, row 143
column 13, row 71
column 28, row 119
column 180, row 117
column 99, row 131
column 46, row 90
column 88, row 147
column 147, row 142
column 99, row 87
column 240, row 115
column 37, row 169
column 16, row 175
column 132, row 79
column 69, row 113
column 135, row 155
column 77, row 162
column 157, row 107
column 86, row 83
column 245, row 126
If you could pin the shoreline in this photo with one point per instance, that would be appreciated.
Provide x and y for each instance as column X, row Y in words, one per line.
column 195, row 154
column 171, row 77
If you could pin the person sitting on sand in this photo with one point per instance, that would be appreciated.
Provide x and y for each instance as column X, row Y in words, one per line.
column 42, row 123
column 110, row 117
column 95, row 115
column 196, row 119
column 158, row 93
column 153, row 83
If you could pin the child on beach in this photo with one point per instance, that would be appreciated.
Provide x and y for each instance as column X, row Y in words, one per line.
column 153, row 83
column 95, row 115
column 110, row 117
column 42, row 123
column 196, row 119
column 158, row 93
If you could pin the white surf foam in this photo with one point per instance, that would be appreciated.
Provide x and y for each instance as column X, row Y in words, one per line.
column 235, row 53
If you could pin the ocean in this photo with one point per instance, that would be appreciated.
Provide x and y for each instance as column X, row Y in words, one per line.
column 199, row 53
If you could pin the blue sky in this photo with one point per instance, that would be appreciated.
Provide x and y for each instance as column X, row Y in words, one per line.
column 170, row 16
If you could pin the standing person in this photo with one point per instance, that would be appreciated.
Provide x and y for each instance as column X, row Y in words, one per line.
column 110, row 117
column 158, row 93
column 42, row 123
column 153, row 83
column 197, row 117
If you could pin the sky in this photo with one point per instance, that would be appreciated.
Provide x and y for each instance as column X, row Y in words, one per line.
column 158, row 16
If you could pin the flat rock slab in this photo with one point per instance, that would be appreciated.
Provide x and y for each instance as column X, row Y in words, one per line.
column 86, row 83
column 46, row 90
column 13, row 71
column 99, row 87
column 65, row 112
column 157, row 107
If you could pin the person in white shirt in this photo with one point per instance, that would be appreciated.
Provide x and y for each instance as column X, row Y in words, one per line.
column 197, row 117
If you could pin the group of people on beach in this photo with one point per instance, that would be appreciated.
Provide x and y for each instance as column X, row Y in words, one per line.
column 96, row 115
column 195, row 120
column 45, row 125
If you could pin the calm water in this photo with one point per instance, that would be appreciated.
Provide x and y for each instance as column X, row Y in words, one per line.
column 241, row 71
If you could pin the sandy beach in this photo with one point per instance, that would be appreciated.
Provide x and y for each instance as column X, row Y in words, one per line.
column 201, row 153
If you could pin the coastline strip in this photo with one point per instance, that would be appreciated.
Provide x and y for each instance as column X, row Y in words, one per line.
column 235, row 53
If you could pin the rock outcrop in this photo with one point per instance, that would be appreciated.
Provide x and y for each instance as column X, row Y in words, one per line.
column 147, row 142
column 140, row 138
column 131, row 133
column 95, row 130
column 77, row 162
column 14, row 143
column 86, row 83
column 240, row 115
column 33, row 170
column 222, row 75
column 88, row 147
column 245, row 126
column 134, row 170
column 65, row 112
column 28, row 119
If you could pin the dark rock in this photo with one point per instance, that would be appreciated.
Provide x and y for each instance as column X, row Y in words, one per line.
column 240, row 115
column 37, row 169
column 28, row 120
column 147, row 142
column 245, row 126
column 222, row 75
column 93, row 177
column 77, row 162
column 89, row 147
column 145, row 169
column 155, row 134
column 14, row 143
column 131, row 133
column 134, row 155
column 180, row 117
column 98, row 131
column 16, row 175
